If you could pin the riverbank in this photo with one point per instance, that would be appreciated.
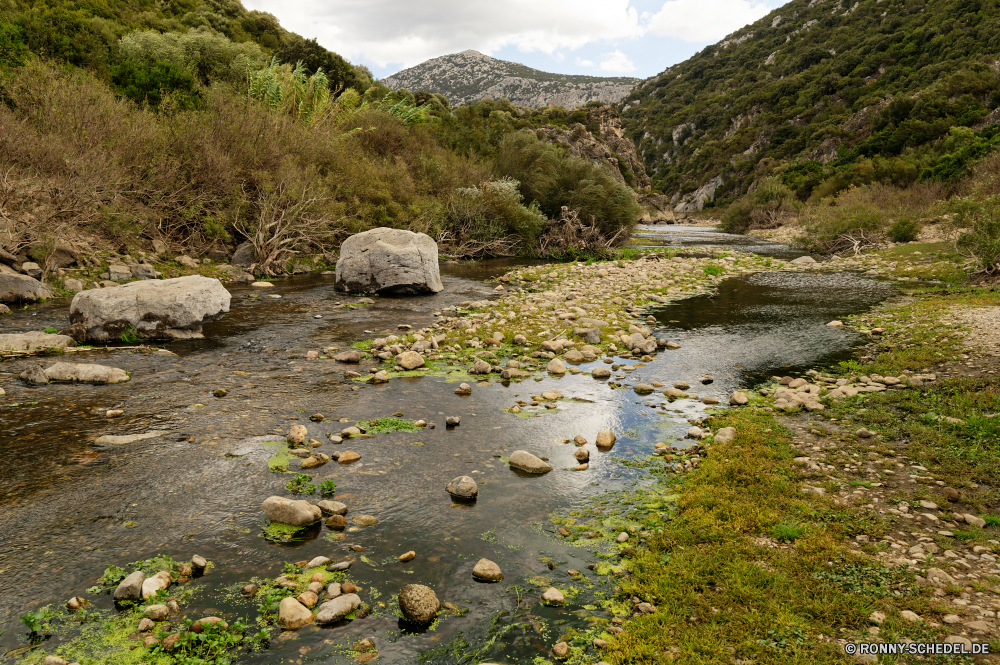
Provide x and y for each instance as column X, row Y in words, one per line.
column 872, row 520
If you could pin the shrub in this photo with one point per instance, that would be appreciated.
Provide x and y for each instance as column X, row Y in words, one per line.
column 552, row 180
column 492, row 219
column 981, row 239
column 149, row 83
column 903, row 230
column 767, row 207
column 201, row 51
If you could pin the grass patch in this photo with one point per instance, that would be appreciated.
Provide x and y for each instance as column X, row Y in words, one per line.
column 787, row 532
column 388, row 424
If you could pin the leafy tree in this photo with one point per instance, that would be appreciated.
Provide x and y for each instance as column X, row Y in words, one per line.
column 339, row 72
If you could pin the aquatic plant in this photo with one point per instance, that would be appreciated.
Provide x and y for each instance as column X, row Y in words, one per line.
column 300, row 484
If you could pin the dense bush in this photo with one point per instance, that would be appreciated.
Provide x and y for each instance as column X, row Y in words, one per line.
column 492, row 219
column 207, row 54
column 866, row 216
column 766, row 208
column 551, row 180
column 147, row 83
column 980, row 239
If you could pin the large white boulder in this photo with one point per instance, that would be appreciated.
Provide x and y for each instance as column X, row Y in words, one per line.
column 294, row 512
column 156, row 309
column 389, row 260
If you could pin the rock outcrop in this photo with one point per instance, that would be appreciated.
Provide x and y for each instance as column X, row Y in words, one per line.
column 151, row 309
column 34, row 341
column 389, row 260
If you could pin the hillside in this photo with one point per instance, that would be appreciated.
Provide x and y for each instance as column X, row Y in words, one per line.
column 469, row 76
column 825, row 94
column 224, row 34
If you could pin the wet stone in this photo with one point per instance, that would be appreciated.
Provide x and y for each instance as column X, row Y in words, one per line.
column 487, row 571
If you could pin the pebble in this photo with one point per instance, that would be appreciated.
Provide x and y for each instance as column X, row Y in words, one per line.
column 560, row 650
column 409, row 556
column 553, row 596
column 463, row 389
column 606, row 438
column 453, row 421
column 622, row 537
column 463, row 487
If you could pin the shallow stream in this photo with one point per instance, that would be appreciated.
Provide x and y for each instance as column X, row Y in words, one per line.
column 69, row 507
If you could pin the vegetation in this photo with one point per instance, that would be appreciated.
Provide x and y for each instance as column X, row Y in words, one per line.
column 824, row 98
column 387, row 424
column 300, row 484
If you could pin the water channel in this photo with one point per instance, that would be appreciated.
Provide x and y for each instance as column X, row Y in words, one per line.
column 69, row 507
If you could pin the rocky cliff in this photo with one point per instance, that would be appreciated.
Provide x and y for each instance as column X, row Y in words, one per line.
column 470, row 75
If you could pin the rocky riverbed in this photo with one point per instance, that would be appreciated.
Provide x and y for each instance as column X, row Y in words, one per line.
column 514, row 364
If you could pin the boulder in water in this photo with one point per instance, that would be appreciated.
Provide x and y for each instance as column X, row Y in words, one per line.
column 151, row 309
column 21, row 288
column 389, row 260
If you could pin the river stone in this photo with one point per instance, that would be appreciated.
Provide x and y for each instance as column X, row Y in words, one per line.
column 463, row 389
column 123, row 439
column 318, row 561
column 156, row 613
column 409, row 360
column 642, row 388
column 156, row 309
column 151, row 585
column 573, row 356
column 738, row 399
column 725, row 435
column 407, row 556
column 552, row 395
column 606, row 438
column 480, row 367
column 34, row 374
column 385, row 259
column 463, row 487
column 804, row 260
column 600, row 372
column 130, row 588
column 332, row 507
column 419, row 603
column 553, row 596
column 21, row 288
column 556, row 366
column 338, row 608
column 349, row 356
column 290, row 511
column 364, row 520
column 86, row 373
column 297, row 434
column 293, row 615
column 204, row 622
column 348, row 456
column 487, row 571
column 34, row 341
column 582, row 454
column 198, row 562
column 525, row 461
column 336, row 522
column 675, row 393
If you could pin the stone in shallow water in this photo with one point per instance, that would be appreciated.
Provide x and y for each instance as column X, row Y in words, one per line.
column 119, row 440
column 463, row 487
column 487, row 571
column 419, row 603
column 525, row 461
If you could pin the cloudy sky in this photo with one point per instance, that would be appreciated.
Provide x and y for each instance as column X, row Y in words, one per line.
column 598, row 37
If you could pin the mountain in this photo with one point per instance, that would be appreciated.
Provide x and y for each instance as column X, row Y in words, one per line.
column 469, row 76
column 825, row 94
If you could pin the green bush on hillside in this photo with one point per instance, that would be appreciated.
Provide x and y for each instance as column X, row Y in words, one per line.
column 148, row 83
column 207, row 54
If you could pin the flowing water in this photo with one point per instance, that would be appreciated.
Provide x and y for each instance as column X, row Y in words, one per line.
column 693, row 238
column 69, row 507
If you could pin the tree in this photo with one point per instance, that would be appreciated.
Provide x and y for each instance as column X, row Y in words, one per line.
column 340, row 73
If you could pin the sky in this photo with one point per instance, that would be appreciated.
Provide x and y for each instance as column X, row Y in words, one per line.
column 637, row 38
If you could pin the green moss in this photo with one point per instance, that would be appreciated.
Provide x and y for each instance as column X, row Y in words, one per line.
column 276, row 532
column 278, row 462
column 388, row 424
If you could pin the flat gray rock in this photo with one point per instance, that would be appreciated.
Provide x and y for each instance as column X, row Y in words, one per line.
column 154, row 309
column 86, row 373
column 34, row 341
column 338, row 608
column 119, row 440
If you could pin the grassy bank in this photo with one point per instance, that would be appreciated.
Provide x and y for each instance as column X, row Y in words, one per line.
column 790, row 538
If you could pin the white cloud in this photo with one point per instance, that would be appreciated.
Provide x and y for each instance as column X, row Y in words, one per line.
column 617, row 62
column 584, row 63
column 393, row 31
column 704, row 20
